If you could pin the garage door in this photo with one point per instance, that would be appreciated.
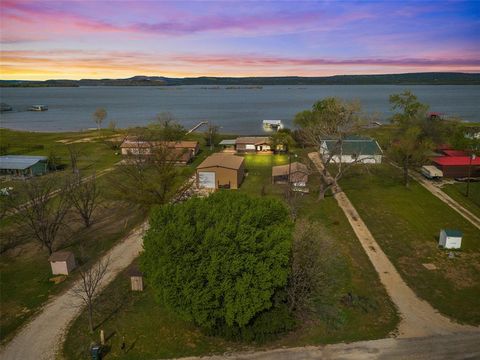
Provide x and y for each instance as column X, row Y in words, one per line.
column 206, row 180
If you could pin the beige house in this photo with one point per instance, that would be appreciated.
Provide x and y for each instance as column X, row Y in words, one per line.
column 253, row 144
column 182, row 152
column 221, row 171
column 62, row 262
column 296, row 171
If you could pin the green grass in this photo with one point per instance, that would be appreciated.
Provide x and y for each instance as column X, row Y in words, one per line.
column 25, row 270
column 458, row 192
column 406, row 223
column 157, row 333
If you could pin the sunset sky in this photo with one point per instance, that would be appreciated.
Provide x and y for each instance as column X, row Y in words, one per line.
column 117, row 39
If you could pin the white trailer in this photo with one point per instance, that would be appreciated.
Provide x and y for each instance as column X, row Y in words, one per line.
column 431, row 172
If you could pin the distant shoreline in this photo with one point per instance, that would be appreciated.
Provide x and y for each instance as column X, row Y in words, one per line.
column 436, row 78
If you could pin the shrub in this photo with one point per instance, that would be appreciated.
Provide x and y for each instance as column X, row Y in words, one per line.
column 219, row 261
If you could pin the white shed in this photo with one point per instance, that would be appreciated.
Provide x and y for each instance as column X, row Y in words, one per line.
column 450, row 239
column 62, row 262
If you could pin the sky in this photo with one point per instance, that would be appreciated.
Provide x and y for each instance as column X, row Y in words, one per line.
column 118, row 39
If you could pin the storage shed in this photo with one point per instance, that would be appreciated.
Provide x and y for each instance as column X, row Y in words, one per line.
column 136, row 278
column 62, row 262
column 296, row 171
column 221, row 170
column 450, row 239
column 23, row 166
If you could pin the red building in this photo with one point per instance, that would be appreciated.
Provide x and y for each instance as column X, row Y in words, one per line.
column 458, row 166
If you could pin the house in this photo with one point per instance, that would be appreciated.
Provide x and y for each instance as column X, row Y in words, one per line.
column 458, row 166
column 182, row 152
column 296, row 171
column 352, row 149
column 450, row 239
column 221, row 171
column 253, row 144
column 62, row 262
column 23, row 166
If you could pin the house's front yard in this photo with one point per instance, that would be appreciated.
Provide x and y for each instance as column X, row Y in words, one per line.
column 406, row 223
column 357, row 306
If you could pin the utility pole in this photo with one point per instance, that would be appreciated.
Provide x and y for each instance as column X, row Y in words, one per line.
column 472, row 157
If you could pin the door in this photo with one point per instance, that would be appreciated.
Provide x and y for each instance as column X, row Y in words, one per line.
column 206, row 180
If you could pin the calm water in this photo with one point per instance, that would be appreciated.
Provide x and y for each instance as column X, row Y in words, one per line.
column 235, row 110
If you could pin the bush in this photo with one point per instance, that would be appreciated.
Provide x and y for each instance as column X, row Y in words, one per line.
column 219, row 261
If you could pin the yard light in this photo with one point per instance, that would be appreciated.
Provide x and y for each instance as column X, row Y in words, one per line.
column 472, row 157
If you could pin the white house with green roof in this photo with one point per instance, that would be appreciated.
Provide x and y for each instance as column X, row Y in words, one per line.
column 352, row 149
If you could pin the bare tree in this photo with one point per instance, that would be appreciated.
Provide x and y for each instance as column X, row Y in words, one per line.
column 211, row 135
column 89, row 285
column 167, row 128
column 314, row 256
column 74, row 152
column 333, row 120
column 43, row 215
column 84, row 195
column 292, row 198
column 149, row 175
column 98, row 116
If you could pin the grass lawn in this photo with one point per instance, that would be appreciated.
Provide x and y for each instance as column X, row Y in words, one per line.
column 25, row 270
column 406, row 223
column 457, row 192
column 153, row 332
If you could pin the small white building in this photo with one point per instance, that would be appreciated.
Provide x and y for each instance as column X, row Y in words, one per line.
column 450, row 239
column 62, row 262
column 351, row 150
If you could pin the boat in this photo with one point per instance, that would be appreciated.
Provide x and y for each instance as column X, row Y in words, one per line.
column 5, row 107
column 273, row 124
column 38, row 108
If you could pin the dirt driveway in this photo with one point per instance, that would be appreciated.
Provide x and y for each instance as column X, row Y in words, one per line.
column 43, row 336
column 418, row 318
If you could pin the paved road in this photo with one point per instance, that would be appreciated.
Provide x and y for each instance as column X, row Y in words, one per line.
column 43, row 336
column 418, row 318
column 451, row 347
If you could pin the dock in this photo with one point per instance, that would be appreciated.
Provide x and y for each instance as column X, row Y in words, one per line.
column 197, row 126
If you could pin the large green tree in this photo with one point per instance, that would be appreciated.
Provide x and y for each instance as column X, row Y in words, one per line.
column 412, row 141
column 219, row 261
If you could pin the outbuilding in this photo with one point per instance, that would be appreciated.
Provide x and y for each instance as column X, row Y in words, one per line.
column 296, row 172
column 458, row 166
column 450, row 239
column 62, row 262
column 136, row 278
column 23, row 166
column 221, row 171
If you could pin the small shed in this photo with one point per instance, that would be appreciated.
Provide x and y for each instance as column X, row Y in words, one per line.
column 296, row 173
column 62, row 262
column 450, row 239
column 136, row 278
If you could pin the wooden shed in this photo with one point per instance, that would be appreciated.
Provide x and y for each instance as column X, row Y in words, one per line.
column 62, row 262
column 296, row 173
column 136, row 278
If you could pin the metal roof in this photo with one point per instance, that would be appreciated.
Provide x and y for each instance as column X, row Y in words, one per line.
column 227, row 142
column 456, row 161
column 19, row 162
column 222, row 160
column 357, row 146
column 453, row 233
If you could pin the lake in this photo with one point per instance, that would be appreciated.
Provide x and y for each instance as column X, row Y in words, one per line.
column 236, row 110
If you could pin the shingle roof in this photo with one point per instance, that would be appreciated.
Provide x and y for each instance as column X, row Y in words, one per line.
column 257, row 140
column 60, row 256
column 19, row 162
column 355, row 146
column 222, row 160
